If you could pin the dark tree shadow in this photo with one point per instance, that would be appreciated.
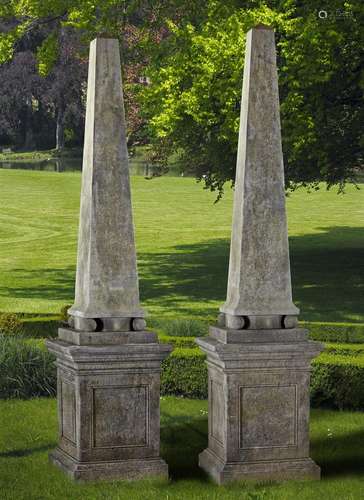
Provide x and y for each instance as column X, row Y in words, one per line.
column 340, row 455
column 327, row 275
column 24, row 452
column 183, row 438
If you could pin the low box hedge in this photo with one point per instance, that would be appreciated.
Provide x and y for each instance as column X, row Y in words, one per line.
column 337, row 377
column 337, row 380
column 335, row 332
column 184, row 373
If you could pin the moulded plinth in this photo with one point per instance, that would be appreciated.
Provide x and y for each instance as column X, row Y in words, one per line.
column 224, row 472
column 123, row 469
column 258, row 405
column 108, row 406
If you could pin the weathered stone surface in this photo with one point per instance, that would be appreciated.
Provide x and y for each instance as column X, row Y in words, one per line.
column 106, row 281
column 259, row 271
column 96, row 471
column 108, row 366
column 108, row 405
column 106, row 338
column 228, row 336
column 281, row 470
column 258, row 360
column 259, row 406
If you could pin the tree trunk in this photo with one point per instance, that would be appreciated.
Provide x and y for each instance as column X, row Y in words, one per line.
column 60, row 129
column 28, row 130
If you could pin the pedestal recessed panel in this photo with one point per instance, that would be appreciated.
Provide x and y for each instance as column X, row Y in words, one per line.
column 120, row 416
column 268, row 416
column 68, row 411
column 217, row 412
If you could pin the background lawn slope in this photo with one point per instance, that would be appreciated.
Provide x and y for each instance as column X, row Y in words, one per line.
column 182, row 243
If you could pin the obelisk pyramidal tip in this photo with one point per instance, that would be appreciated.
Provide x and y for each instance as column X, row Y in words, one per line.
column 107, row 291
column 259, row 285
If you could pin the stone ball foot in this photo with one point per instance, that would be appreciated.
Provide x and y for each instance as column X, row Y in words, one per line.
column 225, row 472
column 109, row 471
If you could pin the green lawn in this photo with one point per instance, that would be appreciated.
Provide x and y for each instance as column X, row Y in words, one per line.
column 29, row 431
column 182, row 243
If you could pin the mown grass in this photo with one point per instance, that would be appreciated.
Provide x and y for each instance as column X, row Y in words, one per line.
column 41, row 155
column 182, row 243
column 29, row 431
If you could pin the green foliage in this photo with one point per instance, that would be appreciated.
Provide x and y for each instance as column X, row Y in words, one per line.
column 184, row 342
column 64, row 313
column 183, row 327
column 335, row 332
column 91, row 17
column 47, row 54
column 25, row 369
column 184, row 373
column 196, row 74
column 39, row 327
column 338, row 381
column 10, row 324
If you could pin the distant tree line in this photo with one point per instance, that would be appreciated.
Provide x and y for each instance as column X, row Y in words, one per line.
column 41, row 109
column 192, row 54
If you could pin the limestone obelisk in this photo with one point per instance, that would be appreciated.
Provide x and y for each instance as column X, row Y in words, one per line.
column 106, row 280
column 258, row 359
column 108, row 365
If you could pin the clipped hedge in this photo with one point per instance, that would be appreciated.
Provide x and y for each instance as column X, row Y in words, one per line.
column 335, row 332
column 337, row 380
column 177, row 342
column 184, row 373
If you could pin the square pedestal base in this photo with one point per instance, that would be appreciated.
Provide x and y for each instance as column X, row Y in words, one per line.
column 96, row 471
column 261, row 471
column 108, row 405
column 259, row 404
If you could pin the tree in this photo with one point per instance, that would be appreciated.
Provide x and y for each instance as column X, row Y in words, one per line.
column 135, row 22
column 193, row 103
column 35, row 104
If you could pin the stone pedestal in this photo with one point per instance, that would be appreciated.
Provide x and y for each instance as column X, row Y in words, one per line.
column 108, row 404
column 258, row 404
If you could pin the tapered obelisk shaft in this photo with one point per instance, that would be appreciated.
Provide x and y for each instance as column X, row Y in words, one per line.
column 107, row 281
column 108, row 364
column 258, row 360
column 259, row 283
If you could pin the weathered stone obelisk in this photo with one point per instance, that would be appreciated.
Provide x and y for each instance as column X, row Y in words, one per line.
column 258, row 359
column 108, row 364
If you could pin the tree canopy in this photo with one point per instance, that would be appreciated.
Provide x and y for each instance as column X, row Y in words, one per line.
column 193, row 104
column 193, row 54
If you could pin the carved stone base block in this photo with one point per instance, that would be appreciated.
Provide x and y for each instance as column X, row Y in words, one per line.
column 224, row 472
column 258, row 404
column 123, row 469
column 108, row 405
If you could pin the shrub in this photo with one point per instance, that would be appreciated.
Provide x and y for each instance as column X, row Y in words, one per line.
column 338, row 381
column 184, row 342
column 184, row 328
column 10, row 324
column 64, row 314
column 335, row 332
column 25, row 369
column 184, row 373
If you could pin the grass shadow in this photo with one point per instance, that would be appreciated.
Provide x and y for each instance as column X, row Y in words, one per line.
column 340, row 455
column 182, row 439
column 327, row 275
column 26, row 451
